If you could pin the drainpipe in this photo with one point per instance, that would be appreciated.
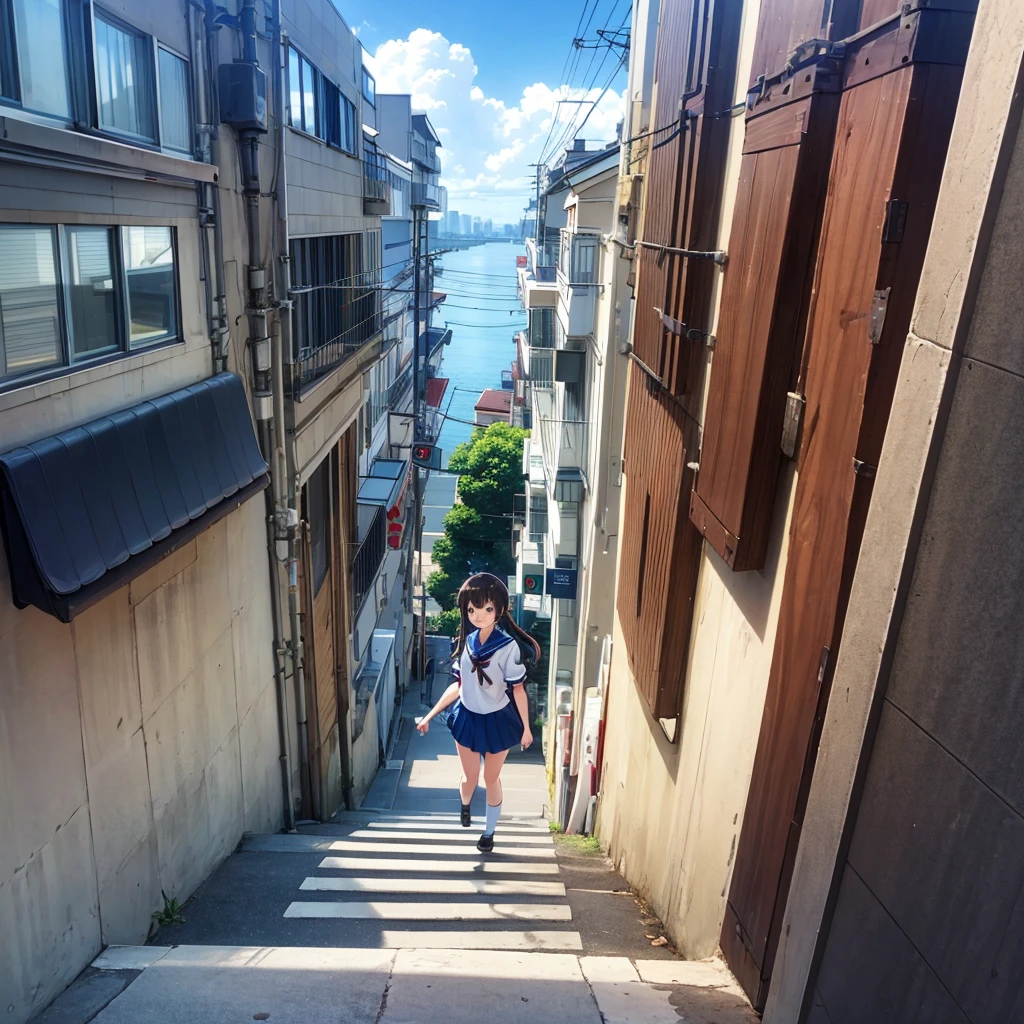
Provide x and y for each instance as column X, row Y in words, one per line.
column 284, row 454
column 260, row 348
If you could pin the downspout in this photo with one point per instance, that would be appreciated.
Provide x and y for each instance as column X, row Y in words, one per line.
column 284, row 453
column 260, row 344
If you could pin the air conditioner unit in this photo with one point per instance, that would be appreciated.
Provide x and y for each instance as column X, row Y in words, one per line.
column 570, row 366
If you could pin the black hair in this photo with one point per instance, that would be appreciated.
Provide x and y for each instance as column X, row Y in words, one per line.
column 480, row 589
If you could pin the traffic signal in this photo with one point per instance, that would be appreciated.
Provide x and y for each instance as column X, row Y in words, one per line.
column 533, row 583
column 426, row 455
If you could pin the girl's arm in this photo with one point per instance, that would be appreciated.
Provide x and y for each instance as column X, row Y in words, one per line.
column 446, row 698
column 523, row 704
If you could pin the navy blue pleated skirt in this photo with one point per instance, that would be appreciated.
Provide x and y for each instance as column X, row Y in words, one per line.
column 486, row 734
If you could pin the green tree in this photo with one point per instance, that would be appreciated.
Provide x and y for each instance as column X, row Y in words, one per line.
column 445, row 624
column 478, row 528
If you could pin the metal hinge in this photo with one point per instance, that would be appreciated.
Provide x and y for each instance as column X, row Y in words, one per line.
column 879, row 306
column 863, row 469
column 823, row 664
column 895, row 220
column 795, row 403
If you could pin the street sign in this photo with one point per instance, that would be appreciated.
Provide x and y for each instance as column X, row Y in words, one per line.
column 561, row 583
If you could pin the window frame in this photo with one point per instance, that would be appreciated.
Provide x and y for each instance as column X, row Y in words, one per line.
column 68, row 365
column 370, row 97
column 97, row 11
column 189, row 101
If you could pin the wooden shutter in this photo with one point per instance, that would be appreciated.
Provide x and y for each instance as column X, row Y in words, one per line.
column 694, row 71
column 660, row 549
column 901, row 85
column 763, row 314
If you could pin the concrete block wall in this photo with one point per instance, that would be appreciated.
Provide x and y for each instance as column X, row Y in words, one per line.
column 136, row 746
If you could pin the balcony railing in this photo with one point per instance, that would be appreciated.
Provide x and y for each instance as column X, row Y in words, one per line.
column 426, row 195
column 545, row 275
column 317, row 360
column 376, row 189
column 368, row 556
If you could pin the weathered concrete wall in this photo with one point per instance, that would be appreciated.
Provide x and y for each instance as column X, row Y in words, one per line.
column 137, row 745
column 670, row 810
column 926, row 902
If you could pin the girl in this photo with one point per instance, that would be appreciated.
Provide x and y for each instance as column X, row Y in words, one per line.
column 492, row 712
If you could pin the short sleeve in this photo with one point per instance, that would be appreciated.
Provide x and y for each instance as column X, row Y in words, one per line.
column 515, row 670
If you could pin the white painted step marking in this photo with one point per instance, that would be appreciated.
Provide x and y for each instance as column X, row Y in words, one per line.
column 358, row 846
column 465, row 836
column 436, row 886
column 449, row 867
column 373, row 911
column 547, row 941
column 454, row 826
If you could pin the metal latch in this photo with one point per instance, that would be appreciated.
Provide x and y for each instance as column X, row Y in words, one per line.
column 863, row 469
column 795, row 403
column 879, row 306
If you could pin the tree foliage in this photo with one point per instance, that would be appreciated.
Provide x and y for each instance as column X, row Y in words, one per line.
column 478, row 529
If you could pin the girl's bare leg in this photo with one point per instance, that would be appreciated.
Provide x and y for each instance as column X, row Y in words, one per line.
column 470, row 772
column 492, row 776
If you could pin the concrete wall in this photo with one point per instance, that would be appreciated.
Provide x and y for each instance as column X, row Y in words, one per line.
column 676, row 844
column 139, row 743
column 905, row 899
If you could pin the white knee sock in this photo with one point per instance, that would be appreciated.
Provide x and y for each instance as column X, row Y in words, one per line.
column 493, row 813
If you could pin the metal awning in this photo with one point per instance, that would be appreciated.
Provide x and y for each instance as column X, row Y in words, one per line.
column 384, row 484
column 436, row 387
column 88, row 510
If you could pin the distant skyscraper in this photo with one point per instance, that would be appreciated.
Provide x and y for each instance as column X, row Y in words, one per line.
column 509, row 231
column 478, row 226
column 467, row 224
column 488, row 228
column 453, row 222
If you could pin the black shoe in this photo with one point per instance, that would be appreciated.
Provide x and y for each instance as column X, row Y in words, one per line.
column 466, row 816
column 485, row 843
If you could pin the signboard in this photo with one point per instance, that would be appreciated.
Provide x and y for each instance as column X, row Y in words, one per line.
column 533, row 583
column 561, row 583
column 520, row 262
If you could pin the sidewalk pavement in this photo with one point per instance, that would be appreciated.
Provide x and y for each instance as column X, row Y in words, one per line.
column 389, row 915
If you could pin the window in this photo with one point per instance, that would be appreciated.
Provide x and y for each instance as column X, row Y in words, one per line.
column 30, row 338
column 318, row 515
column 33, row 56
column 175, row 109
column 538, row 517
column 125, row 90
column 349, row 125
column 89, row 291
column 149, row 272
column 369, row 88
column 73, row 294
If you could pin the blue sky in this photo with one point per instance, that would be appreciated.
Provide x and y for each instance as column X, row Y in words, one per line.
column 490, row 76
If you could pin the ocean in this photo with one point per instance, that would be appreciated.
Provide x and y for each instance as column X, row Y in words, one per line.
column 484, row 314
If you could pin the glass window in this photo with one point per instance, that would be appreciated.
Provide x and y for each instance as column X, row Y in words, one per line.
column 369, row 87
column 175, row 109
column 8, row 63
column 151, row 293
column 349, row 128
column 308, row 99
column 294, row 89
column 124, row 80
column 42, row 58
column 30, row 336
column 89, row 292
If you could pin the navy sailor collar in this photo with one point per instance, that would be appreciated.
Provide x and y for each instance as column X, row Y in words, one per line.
column 495, row 642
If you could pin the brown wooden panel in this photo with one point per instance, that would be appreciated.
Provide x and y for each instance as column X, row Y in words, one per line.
column 767, row 287
column 323, row 646
column 890, row 144
column 660, row 549
column 783, row 25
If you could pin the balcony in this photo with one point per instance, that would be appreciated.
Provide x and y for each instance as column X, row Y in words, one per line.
column 426, row 196
column 376, row 193
column 332, row 322
column 425, row 154
column 538, row 285
column 369, row 553
column 578, row 283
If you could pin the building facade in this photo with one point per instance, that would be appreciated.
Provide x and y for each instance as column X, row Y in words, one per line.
column 207, row 634
column 791, row 750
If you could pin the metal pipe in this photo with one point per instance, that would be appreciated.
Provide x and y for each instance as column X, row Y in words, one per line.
column 718, row 256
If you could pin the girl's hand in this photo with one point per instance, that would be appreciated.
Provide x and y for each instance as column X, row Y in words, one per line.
column 527, row 738
column 423, row 725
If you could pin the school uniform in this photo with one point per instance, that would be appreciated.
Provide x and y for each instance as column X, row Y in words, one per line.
column 485, row 717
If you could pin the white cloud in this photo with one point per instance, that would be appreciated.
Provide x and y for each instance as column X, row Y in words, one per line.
column 488, row 142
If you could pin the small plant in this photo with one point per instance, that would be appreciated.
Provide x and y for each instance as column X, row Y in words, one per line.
column 553, row 826
column 577, row 845
column 171, row 913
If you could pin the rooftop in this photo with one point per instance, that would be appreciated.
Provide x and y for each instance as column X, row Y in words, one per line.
column 495, row 401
